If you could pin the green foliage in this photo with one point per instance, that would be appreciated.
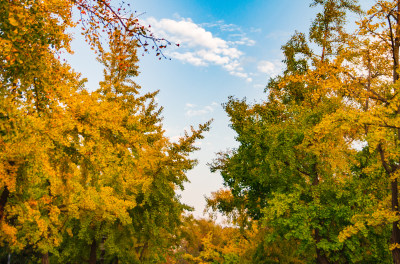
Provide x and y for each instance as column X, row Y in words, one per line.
column 296, row 169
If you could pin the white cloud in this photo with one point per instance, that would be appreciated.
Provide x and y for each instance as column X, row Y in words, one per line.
column 199, row 47
column 233, row 66
column 222, row 26
column 193, row 110
column 186, row 32
column 270, row 68
column 190, row 105
column 240, row 74
column 255, row 30
column 213, row 57
column 266, row 67
column 245, row 41
column 190, row 58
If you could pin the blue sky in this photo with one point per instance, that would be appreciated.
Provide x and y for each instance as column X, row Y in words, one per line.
column 227, row 48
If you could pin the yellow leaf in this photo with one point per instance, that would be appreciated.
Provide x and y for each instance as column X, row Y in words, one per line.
column 13, row 21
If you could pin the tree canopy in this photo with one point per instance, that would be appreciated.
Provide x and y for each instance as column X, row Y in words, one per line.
column 83, row 173
column 89, row 176
column 316, row 159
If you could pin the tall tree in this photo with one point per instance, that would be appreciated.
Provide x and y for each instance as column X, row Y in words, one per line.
column 370, row 81
column 77, row 165
column 289, row 170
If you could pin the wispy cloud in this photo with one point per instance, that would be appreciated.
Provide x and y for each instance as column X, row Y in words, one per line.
column 221, row 25
column 194, row 110
column 200, row 47
column 255, row 30
column 244, row 41
column 271, row 68
column 243, row 75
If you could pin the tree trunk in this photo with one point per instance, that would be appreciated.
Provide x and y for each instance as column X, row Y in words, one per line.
column 321, row 257
column 143, row 253
column 93, row 249
column 102, row 250
column 3, row 201
column 395, row 239
column 395, row 230
column 45, row 258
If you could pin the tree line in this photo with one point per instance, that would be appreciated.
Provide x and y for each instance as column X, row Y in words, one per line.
column 90, row 177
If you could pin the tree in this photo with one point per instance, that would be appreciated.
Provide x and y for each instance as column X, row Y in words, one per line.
column 204, row 241
column 370, row 82
column 291, row 172
column 78, row 166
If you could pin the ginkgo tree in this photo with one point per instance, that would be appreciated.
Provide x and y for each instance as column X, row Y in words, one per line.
column 296, row 167
column 130, row 203
column 78, row 168
column 369, row 80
